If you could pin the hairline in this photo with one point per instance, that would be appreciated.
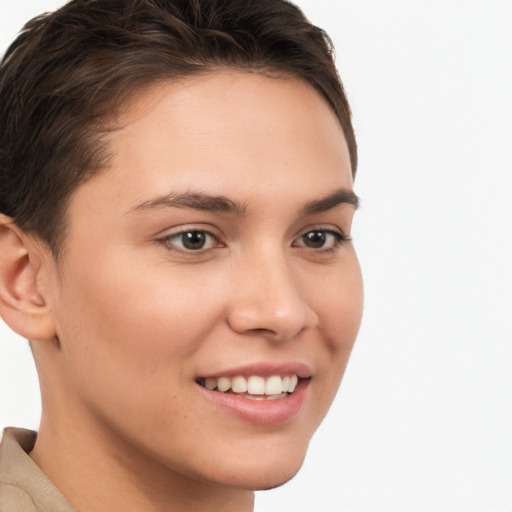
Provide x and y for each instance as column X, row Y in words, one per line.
column 113, row 122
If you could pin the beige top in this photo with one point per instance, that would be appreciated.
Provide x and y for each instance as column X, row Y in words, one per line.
column 23, row 486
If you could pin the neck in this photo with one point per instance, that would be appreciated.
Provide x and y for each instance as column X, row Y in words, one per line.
column 96, row 475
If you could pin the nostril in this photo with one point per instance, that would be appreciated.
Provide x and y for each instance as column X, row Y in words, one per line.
column 261, row 330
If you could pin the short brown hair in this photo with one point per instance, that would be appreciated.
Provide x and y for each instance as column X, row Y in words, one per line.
column 68, row 72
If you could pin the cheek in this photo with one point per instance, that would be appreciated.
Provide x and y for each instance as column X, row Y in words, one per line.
column 128, row 341
column 341, row 307
column 130, row 298
column 129, row 329
column 338, row 302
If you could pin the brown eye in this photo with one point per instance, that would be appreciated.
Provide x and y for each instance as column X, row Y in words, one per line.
column 193, row 240
column 314, row 239
column 321, row 239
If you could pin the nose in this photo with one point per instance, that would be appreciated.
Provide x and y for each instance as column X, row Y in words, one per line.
column 267, row 300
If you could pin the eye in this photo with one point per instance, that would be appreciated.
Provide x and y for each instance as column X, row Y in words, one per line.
column 321, row 239
column 191, row 240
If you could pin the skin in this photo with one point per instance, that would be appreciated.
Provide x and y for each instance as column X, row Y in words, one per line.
column 128, row 319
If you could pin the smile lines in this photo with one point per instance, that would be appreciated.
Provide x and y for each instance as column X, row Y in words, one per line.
column 273, row 386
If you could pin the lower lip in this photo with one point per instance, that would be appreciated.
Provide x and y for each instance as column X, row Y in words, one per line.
column 261, row 412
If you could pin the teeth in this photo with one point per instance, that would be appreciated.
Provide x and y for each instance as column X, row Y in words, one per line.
column 256, row 385
column 210, row 383
column 239, row 385
column 293, row 383
column 274, row 386
column 223, row 384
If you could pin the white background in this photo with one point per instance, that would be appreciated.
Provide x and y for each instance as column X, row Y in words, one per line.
column 423, row 421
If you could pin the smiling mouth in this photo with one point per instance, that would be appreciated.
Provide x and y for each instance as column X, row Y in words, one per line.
column 254, row 387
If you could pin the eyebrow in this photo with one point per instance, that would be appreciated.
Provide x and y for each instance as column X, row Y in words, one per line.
column 195, row 200
column 206, row 202
column 340, row 196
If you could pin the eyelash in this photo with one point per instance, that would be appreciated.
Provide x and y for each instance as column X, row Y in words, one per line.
column 169, row 241
column 338, row 239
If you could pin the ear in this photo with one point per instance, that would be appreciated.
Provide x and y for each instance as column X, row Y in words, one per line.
column 22, row 305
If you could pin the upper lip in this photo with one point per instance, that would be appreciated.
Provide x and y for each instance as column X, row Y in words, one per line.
column 263, row 369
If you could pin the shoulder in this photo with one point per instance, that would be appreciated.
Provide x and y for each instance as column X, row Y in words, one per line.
column 13, row 496
column 15, row 499
column 23, row 486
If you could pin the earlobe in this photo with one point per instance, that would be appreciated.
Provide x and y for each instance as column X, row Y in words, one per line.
column 22, row 305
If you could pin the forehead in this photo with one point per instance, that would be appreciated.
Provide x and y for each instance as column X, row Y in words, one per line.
column 239, row 135
column 232, row 95
column 244, row 114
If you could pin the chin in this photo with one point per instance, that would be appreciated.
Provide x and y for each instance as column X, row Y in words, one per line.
column 264, row 481
column 267, row 486
column 265, row 474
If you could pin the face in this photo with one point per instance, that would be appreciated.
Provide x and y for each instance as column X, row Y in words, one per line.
column 209, row 294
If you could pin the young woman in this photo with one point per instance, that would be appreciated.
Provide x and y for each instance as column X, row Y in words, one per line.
column 176, row 191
